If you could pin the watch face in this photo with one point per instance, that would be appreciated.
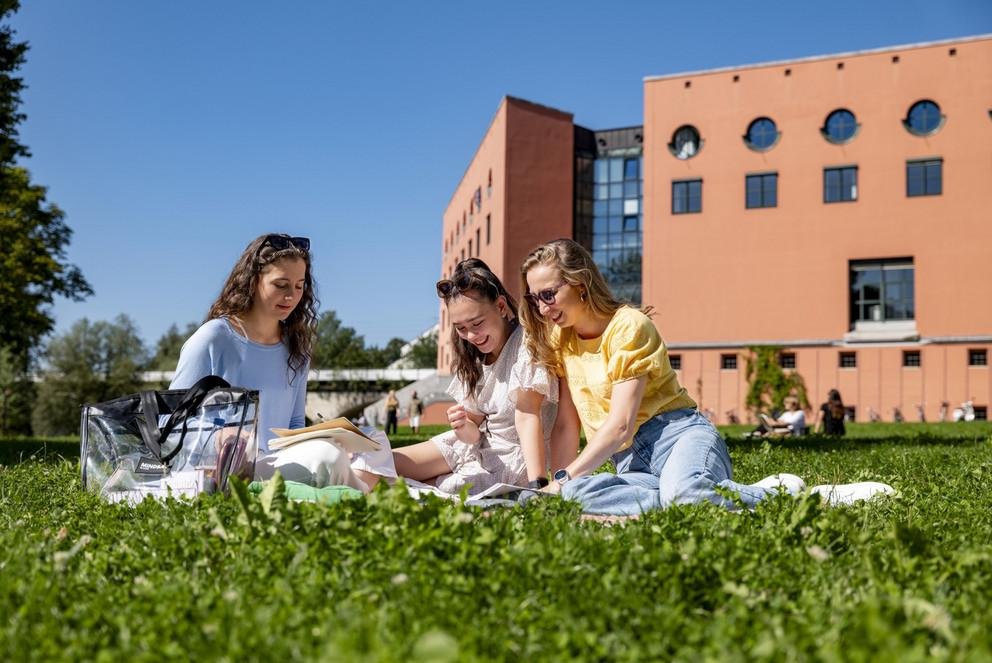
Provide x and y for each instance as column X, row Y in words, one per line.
column 561, row 476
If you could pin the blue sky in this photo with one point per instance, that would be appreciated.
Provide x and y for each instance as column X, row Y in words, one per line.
column 172, row 133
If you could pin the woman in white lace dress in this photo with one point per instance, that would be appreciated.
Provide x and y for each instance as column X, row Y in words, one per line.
column 505, row 404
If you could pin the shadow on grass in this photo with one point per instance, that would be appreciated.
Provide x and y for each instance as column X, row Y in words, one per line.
column 864, row 435
column 14, row 450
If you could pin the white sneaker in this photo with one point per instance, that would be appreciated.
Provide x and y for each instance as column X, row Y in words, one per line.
column 849, row 493
column 789, row 482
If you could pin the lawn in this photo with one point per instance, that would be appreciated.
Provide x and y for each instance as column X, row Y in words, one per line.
column 386, row 578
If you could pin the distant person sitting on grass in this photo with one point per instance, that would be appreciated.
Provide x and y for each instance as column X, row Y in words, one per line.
column 259, row 335
column 830, row 418
column 790, row 422
column 505, row 403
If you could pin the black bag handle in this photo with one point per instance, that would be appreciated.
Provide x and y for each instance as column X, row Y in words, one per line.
column 190, row 403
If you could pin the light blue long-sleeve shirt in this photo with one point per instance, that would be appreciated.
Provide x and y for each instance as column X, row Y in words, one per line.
column 217, row 349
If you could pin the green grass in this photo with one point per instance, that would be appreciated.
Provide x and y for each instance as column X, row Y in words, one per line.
column 386, row 578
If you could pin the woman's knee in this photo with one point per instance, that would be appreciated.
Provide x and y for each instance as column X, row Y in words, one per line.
column 689, row 488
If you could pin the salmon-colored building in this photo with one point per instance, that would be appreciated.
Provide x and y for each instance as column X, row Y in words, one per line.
column 837, row 207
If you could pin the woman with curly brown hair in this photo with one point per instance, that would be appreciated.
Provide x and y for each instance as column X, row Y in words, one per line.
column 258, row 335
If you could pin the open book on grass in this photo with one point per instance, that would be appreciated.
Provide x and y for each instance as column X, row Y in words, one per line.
column 338, row 431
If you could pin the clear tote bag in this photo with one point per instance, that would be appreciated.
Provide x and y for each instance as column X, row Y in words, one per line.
column 179, row 442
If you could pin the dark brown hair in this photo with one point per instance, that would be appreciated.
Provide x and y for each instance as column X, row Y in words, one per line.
column 239, row 290
column 473, row 276
column 836, row 404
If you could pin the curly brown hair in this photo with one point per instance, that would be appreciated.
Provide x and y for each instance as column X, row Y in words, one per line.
column 235, row 298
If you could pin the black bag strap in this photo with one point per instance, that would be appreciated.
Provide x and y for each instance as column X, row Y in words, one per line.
column 155, row 436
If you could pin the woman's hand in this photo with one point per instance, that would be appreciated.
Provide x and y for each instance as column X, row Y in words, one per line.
column 465, row 429
column 552, row 488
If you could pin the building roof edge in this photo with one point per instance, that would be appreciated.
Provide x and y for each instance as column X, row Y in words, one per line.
column 505, row 100
column 817, row 58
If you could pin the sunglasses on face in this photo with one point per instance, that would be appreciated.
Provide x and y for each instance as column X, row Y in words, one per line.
column 446, row 288
column 547, row 295
column 280, row 242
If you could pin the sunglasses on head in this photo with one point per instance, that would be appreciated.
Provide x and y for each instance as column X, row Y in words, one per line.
column 547, row 295
column 463, row 282
column 280, row 242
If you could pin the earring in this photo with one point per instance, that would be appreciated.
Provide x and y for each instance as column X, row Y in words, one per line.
column 582, row 296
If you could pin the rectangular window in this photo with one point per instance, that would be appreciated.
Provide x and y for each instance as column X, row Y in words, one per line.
column 478, row 241
column 687, row 197
column 489, row 228
column 787, row 360
column 978, row 358
column 981, row 413
column 631, row 169
column 676, row 362
column 882, row 291
column 911, row 358
column 728, row 362
column 469, row 248
column 848, row 360
column 924, row 178
column 840, row 184
column 761, row 190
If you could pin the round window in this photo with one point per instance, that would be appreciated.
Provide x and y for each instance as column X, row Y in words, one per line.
column 840, row 127
column 923, row 118
column 762, row 134
column 685, row 142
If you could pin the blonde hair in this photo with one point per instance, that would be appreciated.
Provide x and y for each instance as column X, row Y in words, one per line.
column 576, row 268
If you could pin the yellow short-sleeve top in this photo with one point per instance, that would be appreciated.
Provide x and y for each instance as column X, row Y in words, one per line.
column 629, row 348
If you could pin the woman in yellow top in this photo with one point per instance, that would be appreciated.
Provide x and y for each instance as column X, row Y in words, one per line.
column 617, row 382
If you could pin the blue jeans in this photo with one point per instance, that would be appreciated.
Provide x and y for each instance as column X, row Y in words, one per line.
column 677, row 457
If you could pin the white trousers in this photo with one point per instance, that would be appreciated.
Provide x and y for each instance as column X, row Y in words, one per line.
column 318, row 463
column 313, row 462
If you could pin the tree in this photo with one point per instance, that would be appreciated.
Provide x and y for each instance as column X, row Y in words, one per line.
column 33, row 240
column 337, row 346
column 90, row 363
column 167, row 349
column 12, row 56
column 33, row 233
column 768, row 384
column 16, row 393
column 423, row 352
column 383, row 357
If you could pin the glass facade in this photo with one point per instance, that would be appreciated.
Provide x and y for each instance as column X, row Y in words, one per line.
column 608, row 210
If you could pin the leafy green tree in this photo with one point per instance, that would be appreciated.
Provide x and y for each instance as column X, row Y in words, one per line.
column 383, row 357
column 33, row 240
column 12, row 56
column 423, row 353
column 168, row 346
column 33, row 233
column 16, row 394
column 768, row 384
column 337, row 346
column 91, row 362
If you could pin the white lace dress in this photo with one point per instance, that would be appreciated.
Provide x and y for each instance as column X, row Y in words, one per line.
column 498, row 457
